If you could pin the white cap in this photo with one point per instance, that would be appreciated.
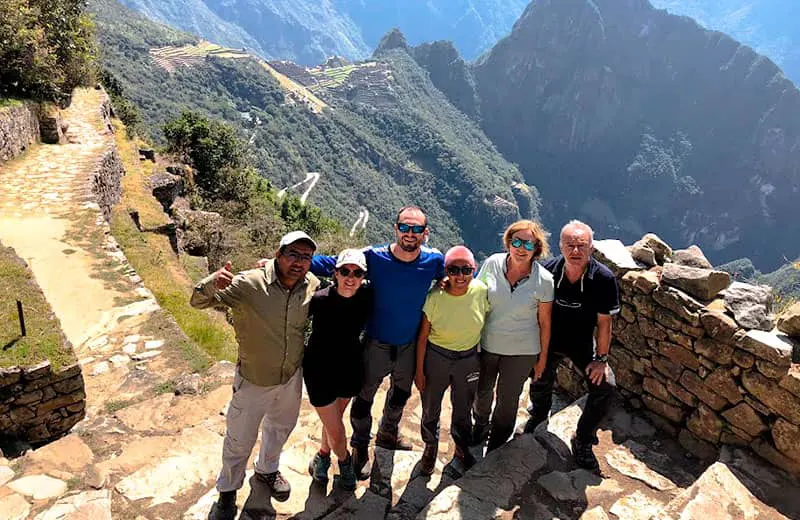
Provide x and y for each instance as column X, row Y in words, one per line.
column 295, row 236
column 352, row 256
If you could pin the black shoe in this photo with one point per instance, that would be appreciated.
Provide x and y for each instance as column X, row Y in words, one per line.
column 278, row 485
column 360, row 458
column 531, row 425
column 583, row 455
column 428, row 461
column 224, row 508
column 392, row 442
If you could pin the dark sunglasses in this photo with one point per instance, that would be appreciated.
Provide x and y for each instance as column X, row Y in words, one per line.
column 530, row 245
column 358, row 273
column 455, row 270
column 405, row 228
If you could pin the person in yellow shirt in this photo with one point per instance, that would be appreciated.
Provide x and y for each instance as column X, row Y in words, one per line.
column 447, row 354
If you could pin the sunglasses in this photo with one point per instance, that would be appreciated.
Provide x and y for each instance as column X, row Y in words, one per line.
column 530, row 245
column 405, row 228
column 358, row 273
column 455, row 270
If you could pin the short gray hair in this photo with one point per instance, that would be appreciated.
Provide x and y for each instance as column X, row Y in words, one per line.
column 578, row 224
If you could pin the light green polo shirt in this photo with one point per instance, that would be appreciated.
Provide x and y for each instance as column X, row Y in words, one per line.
column 456, row 321
column 512, row 326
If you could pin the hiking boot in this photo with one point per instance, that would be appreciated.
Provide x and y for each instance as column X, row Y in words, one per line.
column 428, row 461
column 225, row 507
column 583, row 455
column 360, row 459
column 392, row 442
column 278, row 485
column 480, row 432
column 347, row 474
column 530, row 425
column 318, row 469
column 465, row 456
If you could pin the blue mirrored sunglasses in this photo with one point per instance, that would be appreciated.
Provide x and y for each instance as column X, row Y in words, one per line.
column 405, row 228
column 530, row 245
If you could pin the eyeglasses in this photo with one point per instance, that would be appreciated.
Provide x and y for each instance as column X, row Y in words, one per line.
column 358, row 273
column 416, row 229
column 298, row 257
column 454, row 270
column 530, row 245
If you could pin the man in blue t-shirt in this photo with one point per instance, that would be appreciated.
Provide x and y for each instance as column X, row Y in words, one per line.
column 585, row 299
column 401, row 273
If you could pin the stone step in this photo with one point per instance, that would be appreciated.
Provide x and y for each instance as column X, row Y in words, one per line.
column 737, row 486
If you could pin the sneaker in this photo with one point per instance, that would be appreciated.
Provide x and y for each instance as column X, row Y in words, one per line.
column 392, row 442
column 360, row 458
column 466, row 457
column 278, row 485
column 347, row 474
column 583, row 455
column 479, row 434
column 428, row 460
column 318, row 468
column 224, row 508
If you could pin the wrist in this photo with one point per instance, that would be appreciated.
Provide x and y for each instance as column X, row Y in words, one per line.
column 602, row 358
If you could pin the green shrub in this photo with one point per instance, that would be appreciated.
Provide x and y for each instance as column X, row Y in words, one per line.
column 46, row 47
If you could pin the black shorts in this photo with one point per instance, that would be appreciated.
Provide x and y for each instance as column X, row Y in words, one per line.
column 329, row 379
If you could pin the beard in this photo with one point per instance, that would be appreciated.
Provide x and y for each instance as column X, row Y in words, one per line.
column 409, row 248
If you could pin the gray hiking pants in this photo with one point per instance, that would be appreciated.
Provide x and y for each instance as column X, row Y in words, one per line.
column 275, row 409
column 380, row 360
column 459, row 371
column 510, row 373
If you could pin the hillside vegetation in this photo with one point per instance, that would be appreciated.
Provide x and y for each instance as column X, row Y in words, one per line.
column 417, row 149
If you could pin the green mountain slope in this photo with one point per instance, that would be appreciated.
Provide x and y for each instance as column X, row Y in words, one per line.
column 401, row 143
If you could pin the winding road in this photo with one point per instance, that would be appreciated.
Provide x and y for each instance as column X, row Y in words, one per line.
column 311, row 179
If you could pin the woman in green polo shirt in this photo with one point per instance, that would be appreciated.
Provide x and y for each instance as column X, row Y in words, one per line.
column 517, row 332
column 447, row 354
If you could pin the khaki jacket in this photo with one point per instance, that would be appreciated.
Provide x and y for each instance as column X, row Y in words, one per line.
column 269, row 321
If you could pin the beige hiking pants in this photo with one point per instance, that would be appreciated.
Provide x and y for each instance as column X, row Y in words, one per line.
column 278, row 406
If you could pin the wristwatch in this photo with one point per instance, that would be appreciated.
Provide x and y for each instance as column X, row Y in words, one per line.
column 602, row 359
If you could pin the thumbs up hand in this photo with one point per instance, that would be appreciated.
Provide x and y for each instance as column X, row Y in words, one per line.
column 223, row 277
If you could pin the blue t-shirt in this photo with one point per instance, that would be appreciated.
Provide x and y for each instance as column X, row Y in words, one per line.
column 400, row 290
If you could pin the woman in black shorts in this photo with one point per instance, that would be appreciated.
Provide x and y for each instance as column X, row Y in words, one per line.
column 333, row 362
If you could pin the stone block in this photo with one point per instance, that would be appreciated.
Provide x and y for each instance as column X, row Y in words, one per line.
column 677, row 301
column 644, row 305
column 719, row 325
column 643, row 254
column 771, row 370
column 673, row 413
column 776, row 398
column 775, row 348
column 682, row 394
column 631, row 337
column 9, row 376
column 743, row 359
column 668, row 368
column 787, row 438
column 705, row 424
column 663, row 252
column 791, row 381
column 678, row 354
column 692, row 382
column 624, row 358
column 695, row 332
column 627, row 314
column 699, row 283
column 692, row 256
column 628, row 380
column 453, row 503
column 701, row 449
column 651, row 329
column 67, row 386
column 751, row 305
column 29, row 398
column 768, row 452
column 59, row 402
column 659, row 390
column 722, row 382
column 715, row 350
column 731, row 438
column 36, row 371
column 667, row 318
column 643, row 281
column 615, row 256
column 789, row 321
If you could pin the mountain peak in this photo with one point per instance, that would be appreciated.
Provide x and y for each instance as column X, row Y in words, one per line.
column 394, row 39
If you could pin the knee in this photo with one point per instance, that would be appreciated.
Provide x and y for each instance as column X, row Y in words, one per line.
column 399, row 397
column 361, row 408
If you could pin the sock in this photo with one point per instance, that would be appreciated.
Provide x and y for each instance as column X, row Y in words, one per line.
column 227, row 497
column 324, row 454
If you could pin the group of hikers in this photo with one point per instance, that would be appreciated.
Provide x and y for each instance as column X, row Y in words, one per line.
column 425, row 319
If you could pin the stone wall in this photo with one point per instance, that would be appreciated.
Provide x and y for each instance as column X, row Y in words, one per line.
column 19, row 127
column 38, row 404
column 107, row 175
column 699, row 355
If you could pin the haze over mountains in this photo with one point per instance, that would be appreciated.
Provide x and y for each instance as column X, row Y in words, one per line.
column 308, row 31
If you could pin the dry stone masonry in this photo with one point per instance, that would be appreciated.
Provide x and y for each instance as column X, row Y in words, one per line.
column 38, row 403
column 19, row 127
column 701, row 355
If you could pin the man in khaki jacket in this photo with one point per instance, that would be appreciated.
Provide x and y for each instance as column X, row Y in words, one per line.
column 270, row 308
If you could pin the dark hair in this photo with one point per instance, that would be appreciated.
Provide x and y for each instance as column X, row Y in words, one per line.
column 409, row 208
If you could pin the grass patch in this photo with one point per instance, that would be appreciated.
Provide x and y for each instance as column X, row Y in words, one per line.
column 8, row 102
column 117, row 405
column 162, row 271
column 44, row 339
column 167, row 387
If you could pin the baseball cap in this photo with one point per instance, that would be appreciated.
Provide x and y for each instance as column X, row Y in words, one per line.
column 352, row 256
column 295, row 236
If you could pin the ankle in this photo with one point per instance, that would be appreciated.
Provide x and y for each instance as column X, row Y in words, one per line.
column 227, row 497
column 324, row 454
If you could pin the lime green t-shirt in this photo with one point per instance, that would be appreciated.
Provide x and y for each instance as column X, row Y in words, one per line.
column 457, row 321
